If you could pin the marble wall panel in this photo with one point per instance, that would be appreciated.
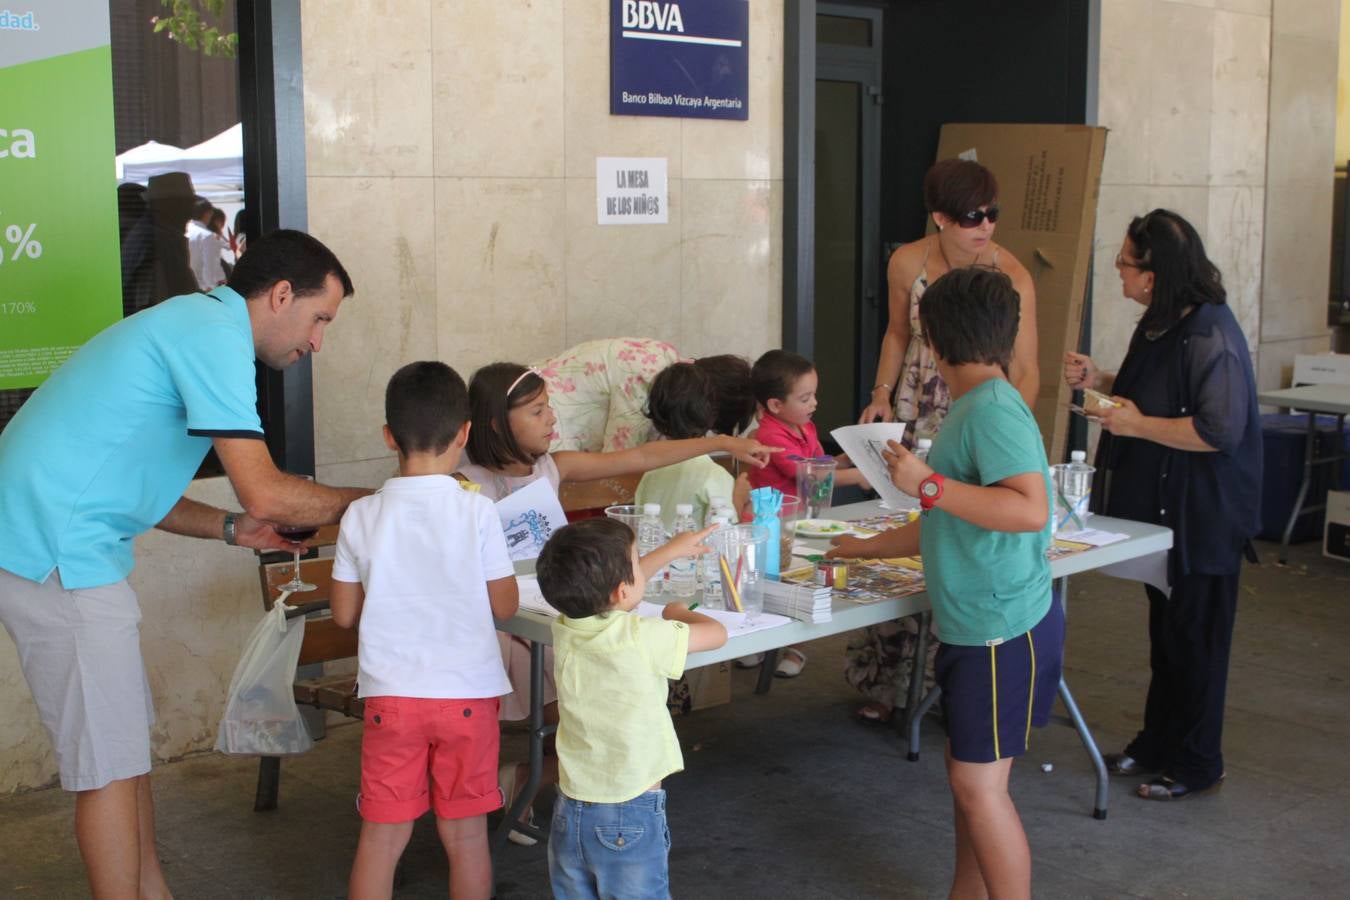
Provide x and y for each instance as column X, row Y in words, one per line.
column 731, row 267
column 378, row 228
column 1180, row 85
column 1318, row 19
column 621, row 279
column 1250, row 7
column 1124, row 92
column 1275, row 363
column 501, row 246
column 498, row 88
column 1234, row 243
column 367, row 82
column 1241, row 91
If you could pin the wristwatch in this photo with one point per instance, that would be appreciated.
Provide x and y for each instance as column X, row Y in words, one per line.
column 930, row 491
column 227, row 533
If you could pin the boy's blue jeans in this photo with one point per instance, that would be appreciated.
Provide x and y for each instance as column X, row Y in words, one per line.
column 610, row 851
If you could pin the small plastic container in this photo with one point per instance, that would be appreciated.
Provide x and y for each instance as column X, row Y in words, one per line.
column 742, row 550
column 628, row 514
column 1072, row 482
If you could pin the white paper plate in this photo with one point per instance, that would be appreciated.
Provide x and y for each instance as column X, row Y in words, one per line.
column 823, row 528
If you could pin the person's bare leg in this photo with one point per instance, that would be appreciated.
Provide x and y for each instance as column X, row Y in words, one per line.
column 153, row 885
column 967, row 882
column 107, row 830
column 980, row 791
column 377, row 855
column 466, row 845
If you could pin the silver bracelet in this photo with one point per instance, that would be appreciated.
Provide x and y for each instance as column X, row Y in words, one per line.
column 881, row 384
column 228, row 532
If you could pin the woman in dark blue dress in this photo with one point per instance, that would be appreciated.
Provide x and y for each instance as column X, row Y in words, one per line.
column 1183, row 449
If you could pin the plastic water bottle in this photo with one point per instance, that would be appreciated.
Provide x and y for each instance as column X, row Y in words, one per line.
column 683, row 571
column 1073, row 488
column 922, row 447
column 651, row 535
column 715, row 503
column 712, row 570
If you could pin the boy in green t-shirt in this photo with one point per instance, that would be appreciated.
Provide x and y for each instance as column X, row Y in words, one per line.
column 983, row 536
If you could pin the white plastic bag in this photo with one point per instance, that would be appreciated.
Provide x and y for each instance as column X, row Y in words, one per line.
column 261, row 718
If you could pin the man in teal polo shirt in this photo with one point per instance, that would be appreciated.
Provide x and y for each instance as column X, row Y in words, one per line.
column 103, row 452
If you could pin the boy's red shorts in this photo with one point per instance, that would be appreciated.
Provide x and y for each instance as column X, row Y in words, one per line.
column 419, row 754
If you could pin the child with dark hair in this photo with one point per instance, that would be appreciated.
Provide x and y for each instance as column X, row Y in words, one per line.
column 616, row 742
column 785, row 385
column 422, row 565
column 983, row 536
column 682, row 404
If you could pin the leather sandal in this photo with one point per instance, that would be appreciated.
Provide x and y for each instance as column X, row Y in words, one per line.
column 1165, row 788
column 874, row 712
column 1124, row 764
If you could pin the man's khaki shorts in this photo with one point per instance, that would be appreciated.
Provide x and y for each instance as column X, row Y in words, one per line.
column 81, row 654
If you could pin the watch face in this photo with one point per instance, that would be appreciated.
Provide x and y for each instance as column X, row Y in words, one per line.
column 929, row 488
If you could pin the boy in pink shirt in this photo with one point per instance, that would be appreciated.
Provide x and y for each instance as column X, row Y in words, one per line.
column 785, row 385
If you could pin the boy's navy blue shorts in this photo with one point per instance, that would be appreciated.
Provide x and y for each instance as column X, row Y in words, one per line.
column 991, row 696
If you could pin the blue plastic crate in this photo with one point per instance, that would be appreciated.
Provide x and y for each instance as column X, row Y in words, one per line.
column 1284, row 439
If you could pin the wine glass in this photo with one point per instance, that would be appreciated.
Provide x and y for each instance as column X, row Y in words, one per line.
column 298, row 533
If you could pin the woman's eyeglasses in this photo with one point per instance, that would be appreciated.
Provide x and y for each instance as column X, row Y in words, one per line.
column 531, row 370
column 976, row 217
column 1123, row 263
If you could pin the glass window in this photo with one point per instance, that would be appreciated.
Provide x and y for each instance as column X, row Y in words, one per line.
column 845, row 31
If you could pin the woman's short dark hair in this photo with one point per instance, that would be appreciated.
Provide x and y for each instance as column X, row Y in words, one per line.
column 970, row 315
column 774, row 374
column 287, row 255
column 681, row 402
column 491, row 443
column 1169, row 247
column 954, row 187
column 734, row 401
column 583, row 564
column 425, row 405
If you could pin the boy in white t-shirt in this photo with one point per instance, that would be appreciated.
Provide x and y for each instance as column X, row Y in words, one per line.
column 422, row 565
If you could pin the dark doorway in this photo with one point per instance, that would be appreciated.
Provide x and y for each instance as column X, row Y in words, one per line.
column 848, row 207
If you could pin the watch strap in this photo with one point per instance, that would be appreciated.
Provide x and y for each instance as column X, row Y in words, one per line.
column 228, row 531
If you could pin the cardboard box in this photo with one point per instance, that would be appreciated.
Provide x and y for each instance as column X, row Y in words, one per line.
column 700, row 688
column 1049, row 177
column 1336, row 536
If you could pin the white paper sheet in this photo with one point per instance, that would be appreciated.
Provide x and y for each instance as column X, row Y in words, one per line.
column 863, row 444
column 528, row 517
column 1092, row 536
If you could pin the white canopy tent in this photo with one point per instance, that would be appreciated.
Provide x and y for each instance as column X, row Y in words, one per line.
column 216, row 165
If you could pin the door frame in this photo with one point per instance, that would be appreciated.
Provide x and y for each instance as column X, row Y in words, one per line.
column 800, row 71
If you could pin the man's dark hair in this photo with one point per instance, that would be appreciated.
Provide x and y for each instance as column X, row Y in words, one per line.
column 955, row 187
column 583, row 564
column 970, row 315
column 491, row 443
column 774, row 374
column 287, row 255
column 425, row 405
column 734, row 401
column 1170, row 247
column 681, row 402
column 200, row 207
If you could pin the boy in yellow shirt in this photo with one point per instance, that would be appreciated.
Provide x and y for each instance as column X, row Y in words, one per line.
column 616, row 741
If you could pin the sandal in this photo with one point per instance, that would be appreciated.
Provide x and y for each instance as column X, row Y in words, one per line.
column 874, row 712
column 753, row 661
column 1164, row 788
column 1124, row 764
column 790, row 663
column 506, row 782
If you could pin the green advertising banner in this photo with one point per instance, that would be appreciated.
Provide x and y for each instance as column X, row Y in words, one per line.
column 60, row 273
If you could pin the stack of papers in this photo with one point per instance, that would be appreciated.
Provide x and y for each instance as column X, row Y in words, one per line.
column 804, row 602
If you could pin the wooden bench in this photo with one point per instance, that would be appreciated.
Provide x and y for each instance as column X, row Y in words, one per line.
column 324, row 642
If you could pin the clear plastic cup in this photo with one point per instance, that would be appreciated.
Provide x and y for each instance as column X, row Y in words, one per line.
column 815, row 485
column 788, row 515
column 628, row 514
column 744, row 548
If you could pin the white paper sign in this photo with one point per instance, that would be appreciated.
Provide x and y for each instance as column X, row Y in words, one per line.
column 528, row 517
column 863, row 444
column 631, row 190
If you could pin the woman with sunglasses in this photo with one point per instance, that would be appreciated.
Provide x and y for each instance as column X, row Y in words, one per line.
column 1181, row 448
column 962, row 197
